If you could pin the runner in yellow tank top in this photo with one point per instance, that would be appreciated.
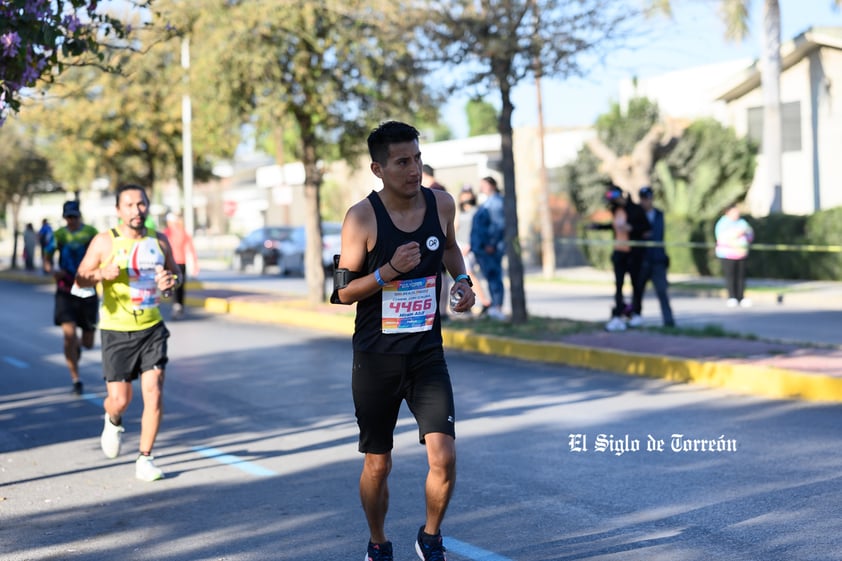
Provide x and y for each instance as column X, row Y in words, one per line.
column 130, row 301
column 134, row 265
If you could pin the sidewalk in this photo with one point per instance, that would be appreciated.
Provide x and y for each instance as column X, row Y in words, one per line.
column 758, row 367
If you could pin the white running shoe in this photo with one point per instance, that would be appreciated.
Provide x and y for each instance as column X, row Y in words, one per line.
column 146, row 470
column 616, row 324
column 635, row 321
column 496, row 313
column 111, row 439
column 732, row 303
column 746, row 303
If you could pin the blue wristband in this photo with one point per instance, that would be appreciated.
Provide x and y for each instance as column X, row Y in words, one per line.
column 464, row 277
column 378, row 278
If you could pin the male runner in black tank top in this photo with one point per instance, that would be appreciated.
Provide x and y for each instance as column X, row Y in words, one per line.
column 394, row 243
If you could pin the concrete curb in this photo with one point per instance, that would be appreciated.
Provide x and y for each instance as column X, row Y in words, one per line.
column 760, row 380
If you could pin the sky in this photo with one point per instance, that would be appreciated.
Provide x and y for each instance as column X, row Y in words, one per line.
column 694, row 36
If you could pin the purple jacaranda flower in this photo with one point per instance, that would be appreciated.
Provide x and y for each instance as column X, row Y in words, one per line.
column 10, row 43
column 71, row 22
column 37, row 8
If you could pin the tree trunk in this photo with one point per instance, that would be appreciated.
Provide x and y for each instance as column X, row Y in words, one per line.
column 15, row 213
column 313, row 269
column 513, row 250
column 770, row 79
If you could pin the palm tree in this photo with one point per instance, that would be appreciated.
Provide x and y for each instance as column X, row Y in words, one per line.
column 735, row 17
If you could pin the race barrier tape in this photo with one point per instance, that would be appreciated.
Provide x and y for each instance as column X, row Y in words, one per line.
column 701, row 245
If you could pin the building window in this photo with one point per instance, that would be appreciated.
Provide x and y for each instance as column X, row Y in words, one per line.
column 790, row 123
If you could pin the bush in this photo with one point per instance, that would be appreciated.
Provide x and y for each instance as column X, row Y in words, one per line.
column 820, row 229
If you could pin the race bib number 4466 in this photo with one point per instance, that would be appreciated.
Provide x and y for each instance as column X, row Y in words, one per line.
column 409, row 306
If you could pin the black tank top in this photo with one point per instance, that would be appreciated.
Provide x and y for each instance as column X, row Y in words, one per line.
column 413, row 322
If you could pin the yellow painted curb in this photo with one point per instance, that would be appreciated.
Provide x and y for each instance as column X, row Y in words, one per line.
column 289, row 313
column 760, row 380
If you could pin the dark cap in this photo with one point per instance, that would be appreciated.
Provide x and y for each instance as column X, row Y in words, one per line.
column 71, row 208
column 646, row 192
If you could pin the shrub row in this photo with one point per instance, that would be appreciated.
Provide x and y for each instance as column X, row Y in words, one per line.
column 820, row 229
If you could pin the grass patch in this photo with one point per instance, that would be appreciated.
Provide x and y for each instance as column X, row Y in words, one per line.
column 539, row 328
column 535, row 329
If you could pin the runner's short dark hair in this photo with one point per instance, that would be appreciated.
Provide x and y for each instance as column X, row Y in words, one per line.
column 388, row 133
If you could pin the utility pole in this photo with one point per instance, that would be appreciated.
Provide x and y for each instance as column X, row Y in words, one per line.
column 544, row 211
column 545, row 214
column 187, row 138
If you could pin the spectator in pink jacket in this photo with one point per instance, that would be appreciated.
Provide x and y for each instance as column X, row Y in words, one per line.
column 733, row 236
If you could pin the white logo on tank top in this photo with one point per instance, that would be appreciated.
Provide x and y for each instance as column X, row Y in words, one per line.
column 432, row 243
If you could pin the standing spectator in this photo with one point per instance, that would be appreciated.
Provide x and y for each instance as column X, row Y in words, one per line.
column 464, row 219
column 488, row 230
column 135, row 266
column 394, row 243
column 428, row 180
column 30, row 243
column 45, row 237
column 75, row 308
column 184, row 253
column 628, row 224
column 655, row 258
column 733, row 236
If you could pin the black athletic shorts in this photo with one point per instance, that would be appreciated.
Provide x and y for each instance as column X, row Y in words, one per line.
column 84, row 312
column 128, row 354
column 380, row 382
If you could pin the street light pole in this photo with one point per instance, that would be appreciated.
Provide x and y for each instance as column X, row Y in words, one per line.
column 187, row 138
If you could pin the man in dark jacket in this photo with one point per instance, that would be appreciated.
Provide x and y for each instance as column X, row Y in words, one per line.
column 655, row 258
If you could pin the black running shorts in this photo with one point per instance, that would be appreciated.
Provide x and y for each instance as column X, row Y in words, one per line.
column 380, row 382
column 84, row 312
column 128, row 354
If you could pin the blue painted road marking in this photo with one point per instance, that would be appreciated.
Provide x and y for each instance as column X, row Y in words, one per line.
column 238, row 463
column 470, row 551
column 15, row 362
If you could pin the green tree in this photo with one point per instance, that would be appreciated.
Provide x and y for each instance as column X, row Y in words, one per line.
column 708, row 169
column 629, row 141
column 334, row 68
column 499, row 43
column 482, row 117
column 23, row 172
column 126, row 126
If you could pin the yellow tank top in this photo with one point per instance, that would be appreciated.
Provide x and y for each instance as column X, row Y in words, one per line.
column 130, row 302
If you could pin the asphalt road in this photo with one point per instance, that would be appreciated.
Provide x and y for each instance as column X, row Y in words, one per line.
column 259, row 447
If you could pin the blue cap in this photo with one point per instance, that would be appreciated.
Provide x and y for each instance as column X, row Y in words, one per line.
column 646, row 192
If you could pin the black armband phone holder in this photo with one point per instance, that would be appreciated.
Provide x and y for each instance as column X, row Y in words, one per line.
column 341, row 279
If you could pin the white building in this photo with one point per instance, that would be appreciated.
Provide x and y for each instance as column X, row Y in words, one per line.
column 811, row 110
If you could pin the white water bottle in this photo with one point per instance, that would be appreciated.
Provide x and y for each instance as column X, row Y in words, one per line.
column 455, row 298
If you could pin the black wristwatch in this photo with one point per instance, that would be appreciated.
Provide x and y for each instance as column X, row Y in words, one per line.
column 464, row 277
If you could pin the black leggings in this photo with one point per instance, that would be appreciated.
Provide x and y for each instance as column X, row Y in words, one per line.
column 626, row 262
column 735, row 277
